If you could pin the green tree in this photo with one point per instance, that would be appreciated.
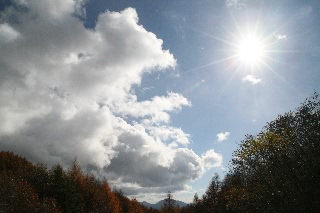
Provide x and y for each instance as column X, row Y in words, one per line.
column 279, row 168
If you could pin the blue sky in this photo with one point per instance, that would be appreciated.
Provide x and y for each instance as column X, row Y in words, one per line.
column 153, row 95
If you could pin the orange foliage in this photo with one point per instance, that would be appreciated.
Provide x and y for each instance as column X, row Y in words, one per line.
column 28, row 188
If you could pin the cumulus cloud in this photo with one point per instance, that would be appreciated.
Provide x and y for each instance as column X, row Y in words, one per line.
column 211, row 158
column 251, row 78
column 7, row 33
column 157, row 108
column 67, row 91
column 165, row 133
column 222, row 136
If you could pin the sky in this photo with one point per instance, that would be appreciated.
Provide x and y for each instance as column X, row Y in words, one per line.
column 153, row 96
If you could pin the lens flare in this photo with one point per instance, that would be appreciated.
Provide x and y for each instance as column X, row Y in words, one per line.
column 250, row 50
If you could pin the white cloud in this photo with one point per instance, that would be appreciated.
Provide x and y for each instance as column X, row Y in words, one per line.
column 20, row 2
column 157, row 107
column 280, row 37
column 238, row 4
column 7, row 33
column 222, row 136
column 212, row 159
column 67, row 91
column 173, row 135
column 251, row 78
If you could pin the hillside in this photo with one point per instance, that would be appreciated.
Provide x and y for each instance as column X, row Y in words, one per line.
column 25, row 187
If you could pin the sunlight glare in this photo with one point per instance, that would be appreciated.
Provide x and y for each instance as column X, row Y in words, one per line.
column 250, row 50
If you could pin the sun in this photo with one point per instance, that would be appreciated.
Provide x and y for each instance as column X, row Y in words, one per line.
column 247, row 48
column 250, row 50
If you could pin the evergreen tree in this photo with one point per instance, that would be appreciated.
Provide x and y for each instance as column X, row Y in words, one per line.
column 210, row 198
column 168, row 205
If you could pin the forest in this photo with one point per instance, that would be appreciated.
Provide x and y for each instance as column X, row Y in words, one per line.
column 277, row 170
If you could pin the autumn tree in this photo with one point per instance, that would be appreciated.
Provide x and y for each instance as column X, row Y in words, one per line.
column 135, row 206
column 18, row 195
column 14, row 164
column 28, row 188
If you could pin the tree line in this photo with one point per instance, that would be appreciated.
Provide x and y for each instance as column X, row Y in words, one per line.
column 277, row 170
column 25, row 187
